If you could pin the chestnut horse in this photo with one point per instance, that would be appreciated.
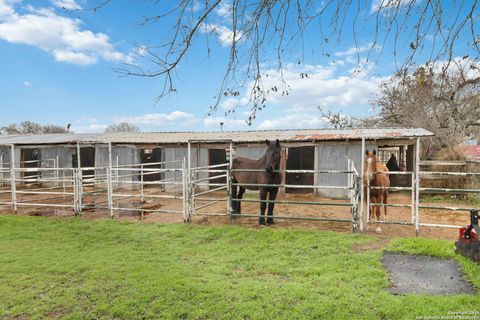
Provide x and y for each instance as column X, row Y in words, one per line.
column 377, row 174
column 269, row 163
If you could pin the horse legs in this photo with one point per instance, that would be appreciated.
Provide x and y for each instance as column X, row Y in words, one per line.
column 373, row 208
column 271, row 197
column 233, row 195
column 263, row 206
column 378, row 211
column 241, row 191
column 385, row 198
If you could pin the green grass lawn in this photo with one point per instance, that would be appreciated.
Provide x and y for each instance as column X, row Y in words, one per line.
column 77, row 269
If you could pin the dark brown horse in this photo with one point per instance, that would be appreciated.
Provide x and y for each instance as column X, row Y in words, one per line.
column 376, row 174
column 269, row 164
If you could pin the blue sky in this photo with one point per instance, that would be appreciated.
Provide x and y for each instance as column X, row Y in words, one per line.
column 57, row 68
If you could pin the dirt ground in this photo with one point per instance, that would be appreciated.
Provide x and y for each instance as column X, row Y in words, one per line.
column 96, row 208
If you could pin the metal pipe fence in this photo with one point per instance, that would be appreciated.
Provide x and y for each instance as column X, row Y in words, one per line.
column 352, row 189
column 444, row 191
column 379, row 206
column 199, row 187
column 177, row 187
column 137, row 195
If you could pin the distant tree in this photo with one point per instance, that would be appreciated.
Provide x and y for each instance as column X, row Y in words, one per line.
column 30, row 127
column 122, row 127
column 51, row 128
column 446, row 102
column 10, row 129
column 337, row 120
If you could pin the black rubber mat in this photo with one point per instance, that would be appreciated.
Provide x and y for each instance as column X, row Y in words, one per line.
column 425, row 275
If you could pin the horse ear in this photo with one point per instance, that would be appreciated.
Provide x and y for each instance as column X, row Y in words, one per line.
column 366, row 152
column 374, row 152
column 267, row 142
column 277, row 143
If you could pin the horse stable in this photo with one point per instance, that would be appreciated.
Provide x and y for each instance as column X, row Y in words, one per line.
column 312, row 149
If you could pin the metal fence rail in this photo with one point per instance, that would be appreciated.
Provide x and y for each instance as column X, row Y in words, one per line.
column 197, row 191
column 55, row 192
column 203, row 196
column 352, row 188
column 135, row 194
column 444, row 191
column 411, row 188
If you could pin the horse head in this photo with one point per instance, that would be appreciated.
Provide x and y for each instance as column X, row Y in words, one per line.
column 272, row 156
column 370, row 164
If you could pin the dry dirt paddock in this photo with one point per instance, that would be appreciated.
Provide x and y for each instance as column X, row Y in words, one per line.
column 95, row 202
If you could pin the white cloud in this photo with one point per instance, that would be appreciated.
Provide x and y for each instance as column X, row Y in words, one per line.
column 74, row 57
column 348, row 88
column 323, row 87
column 27, row 83
column 297, row 120
column 467, row 65
column 91, row 128
column 228, row 124
column 224, row 34
column 62, row 37
column 6, row 7
column 67, row 4
column 224, row 9
column 154, row 119
column 229, row 104
column 353, row 50
column 389, row 4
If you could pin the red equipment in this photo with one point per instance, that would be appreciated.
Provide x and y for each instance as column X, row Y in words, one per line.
column 468, row 243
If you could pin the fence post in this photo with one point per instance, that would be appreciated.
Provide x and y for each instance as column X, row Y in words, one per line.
column 117, row 180
column 1, row 168
column 413, row 197
column 188, row 179
column 57, row 173
column 80, row 191
column 63, row 182
column 141, row 183
column 109, row 180
column 362, row 191
column 417, row 186
column 12, row 179
column 352, row 184
column 229, row 182
column 356, row 190
column 109, row 192
column 368, row 201
column 185, row 192
column 229, row 193
column 76, row 193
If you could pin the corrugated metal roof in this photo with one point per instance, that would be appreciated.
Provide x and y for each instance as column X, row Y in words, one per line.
column 235, row 136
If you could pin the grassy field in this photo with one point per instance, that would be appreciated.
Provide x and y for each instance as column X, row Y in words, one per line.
column 77, row 269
